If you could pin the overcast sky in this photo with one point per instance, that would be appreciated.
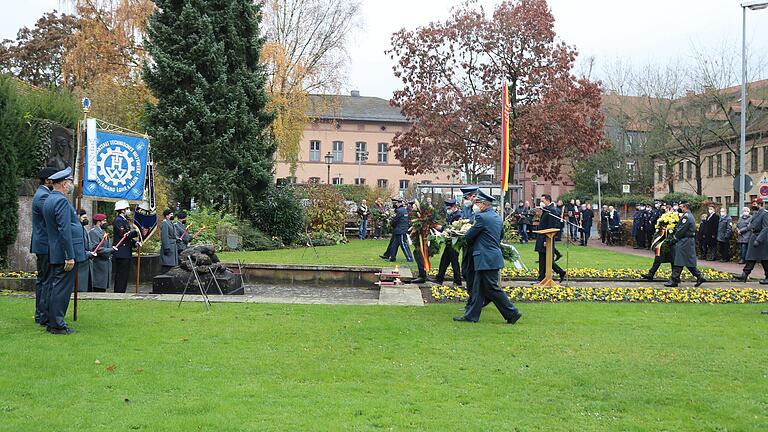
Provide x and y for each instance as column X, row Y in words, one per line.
column 639, row 31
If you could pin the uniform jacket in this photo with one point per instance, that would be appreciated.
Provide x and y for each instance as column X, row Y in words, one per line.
column 452, row 217
column 182, row 236
column 547, row 221
column 400, row 222
column 120, row 226
column 169, row 253
column 485, row 237
column 467, row 213
column 724, row 229
column 757, row 247
column 101, row 266
column 39, row 242
column 65, row 232
column 742, row 227
column 684, row 249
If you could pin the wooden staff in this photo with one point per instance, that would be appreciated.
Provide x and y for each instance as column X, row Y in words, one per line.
column 198, row 232
column 98, row 246
column 125, row 236
column 186, row 230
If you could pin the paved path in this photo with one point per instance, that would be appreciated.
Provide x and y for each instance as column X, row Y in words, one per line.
column 729, row 267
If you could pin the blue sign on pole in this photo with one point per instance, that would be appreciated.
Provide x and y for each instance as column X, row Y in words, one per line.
column 115, row 166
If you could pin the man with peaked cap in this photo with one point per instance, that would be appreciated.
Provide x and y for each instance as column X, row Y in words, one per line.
column 684, row 248
column 101, row 264
column 485, row 237
column 169, row 253
column 66, row 249
column 400, row 225
column 39, row 244
column 122, row 260
column 757, row 245
column 450, row 255
column 467, row 211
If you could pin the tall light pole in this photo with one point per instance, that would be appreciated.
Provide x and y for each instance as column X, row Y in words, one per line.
column 328, row 162
column 752, row 5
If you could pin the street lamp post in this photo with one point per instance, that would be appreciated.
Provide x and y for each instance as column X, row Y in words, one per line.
column 752, row 5
column 328, row 162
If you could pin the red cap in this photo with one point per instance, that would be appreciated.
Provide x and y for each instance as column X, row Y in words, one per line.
column 99, row 217
column 757, row 200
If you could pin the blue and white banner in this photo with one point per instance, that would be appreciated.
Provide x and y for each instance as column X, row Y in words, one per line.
column 116, row 166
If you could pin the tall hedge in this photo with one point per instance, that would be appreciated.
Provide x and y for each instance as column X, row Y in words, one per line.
column 10, row 125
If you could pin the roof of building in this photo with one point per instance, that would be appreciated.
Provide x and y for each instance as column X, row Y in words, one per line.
column 353, row 107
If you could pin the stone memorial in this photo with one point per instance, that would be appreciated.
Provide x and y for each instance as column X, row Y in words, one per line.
column 205, row 260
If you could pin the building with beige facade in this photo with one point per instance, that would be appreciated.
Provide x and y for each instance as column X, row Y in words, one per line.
column 348, row 141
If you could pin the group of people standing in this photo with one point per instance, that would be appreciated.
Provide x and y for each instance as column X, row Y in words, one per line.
column 574, row 218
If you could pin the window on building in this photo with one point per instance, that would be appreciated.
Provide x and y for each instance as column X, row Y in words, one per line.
column 689, row 170
column 314, row 151
column 337, row 181
column 631, row 171
column 753, row 160
column 338, row 151
column 718, row 199
column 710, row 167
column 314, row 180
column 382, row 183
column 383, row 153
column 719, row 159
column 681, row 169
column 361, row 152
column 660, row 172
column 359, row 181
column 291, row 180
column 404, row 184
column 728, row 164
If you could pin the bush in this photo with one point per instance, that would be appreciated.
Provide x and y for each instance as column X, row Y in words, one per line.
column 217, row 225
column 326, row 211
column 278, row 213
column 695, row 200
column 628, row 199
column 576, row 195
column 323, row 238
column 253, row 239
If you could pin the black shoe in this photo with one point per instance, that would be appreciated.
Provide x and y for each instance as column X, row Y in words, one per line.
column 418, row 280
column 764, row 281
column 742, row 277
column 393, row 260
column 61, row 331
column 43, row 324
column 515, row 318
column 384, row 257
column 463, row 319
column 670, row 284
column 457, row 284
column 435, row 280
column 647, row 276
column 700, row 280
column 562, row 277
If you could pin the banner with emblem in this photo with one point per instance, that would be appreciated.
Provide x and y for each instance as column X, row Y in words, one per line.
column 116, row 165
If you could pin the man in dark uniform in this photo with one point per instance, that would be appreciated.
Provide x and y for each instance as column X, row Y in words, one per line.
column 39, row 244
column 586, row 223
column 84, row 268
column 169, row 252
column 66, row 248
column 418, row 254
column 400, row 224
column 101, row 265
column 467, row 263
column 684, row 248
column 450, row 255
column 182, row 233
column 757, row 246
column 638, row 227
column 548, row 220
column 122, row 257
column 485, row 238
column 605, row 222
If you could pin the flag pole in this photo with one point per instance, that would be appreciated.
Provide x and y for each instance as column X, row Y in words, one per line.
column 80, row 161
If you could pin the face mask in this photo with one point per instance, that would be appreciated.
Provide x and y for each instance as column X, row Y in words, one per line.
column 754, row 208
column 542, row 205
column 84, row 222
column 745, row 213
column 475, row 208
column 127, row 213
column 722, row 215
column 467, row 203
column 679, row 210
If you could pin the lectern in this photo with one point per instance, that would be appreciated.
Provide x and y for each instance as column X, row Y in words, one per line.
column 550, row 233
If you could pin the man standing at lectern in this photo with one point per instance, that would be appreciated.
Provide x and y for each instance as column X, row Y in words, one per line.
column 548, row 220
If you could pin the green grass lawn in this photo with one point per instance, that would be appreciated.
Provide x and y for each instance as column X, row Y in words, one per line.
column 564, row 367
column 366, row 253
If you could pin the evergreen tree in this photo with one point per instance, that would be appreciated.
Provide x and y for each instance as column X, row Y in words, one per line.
column 210, row 125
column 10, row 125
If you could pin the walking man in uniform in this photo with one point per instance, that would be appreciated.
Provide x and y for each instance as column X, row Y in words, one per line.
column 400, row 224
column 684, row 248
column 757, row 245
column 66, row 248
column 485, row 237
column 450, row 255
column 39, row 244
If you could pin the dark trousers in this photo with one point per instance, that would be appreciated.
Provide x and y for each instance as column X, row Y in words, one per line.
column 62, row 284
column 585, row 233
column 399, row 241
column 419, row 258
column 678, row 270
column 640, row 240
column 486, row 289
column 725, row 250
column 543, row 266
column 450, row 256
column 42, row 285
column 122, row 267
column 750, row 265
column 657, row 262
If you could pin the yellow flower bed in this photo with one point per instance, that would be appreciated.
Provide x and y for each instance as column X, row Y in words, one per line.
column 609, row 274
column 616, row 294
column 18, row 274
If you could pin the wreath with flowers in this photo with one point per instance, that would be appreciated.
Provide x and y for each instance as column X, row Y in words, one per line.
column 665, row 226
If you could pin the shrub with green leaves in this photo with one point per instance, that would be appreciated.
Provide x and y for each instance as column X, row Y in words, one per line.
column 252, row 239
column 278, row 213
column 326, row 211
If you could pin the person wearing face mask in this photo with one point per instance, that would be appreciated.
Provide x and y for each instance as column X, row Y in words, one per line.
column 467, row 212
column 66, row 249
column 684, row 248
column 169, row 252
column 467, row 263
column 724, row 230
column 39, row 244
column 121, row 258
column 101, row 265
column 450, row 255
column 710, row 234
column 742, row 228
column 84, row 268
column 757, row 247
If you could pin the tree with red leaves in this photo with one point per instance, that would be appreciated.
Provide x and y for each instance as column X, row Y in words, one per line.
column 453, row 72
